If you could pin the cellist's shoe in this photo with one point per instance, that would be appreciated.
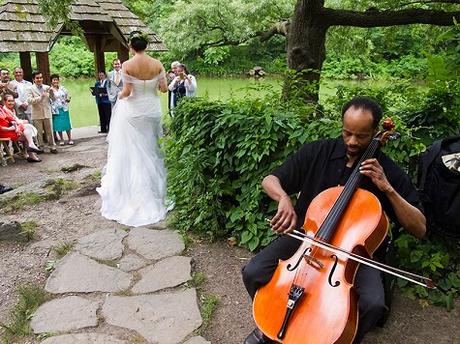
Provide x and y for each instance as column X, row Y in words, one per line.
column 257, row 337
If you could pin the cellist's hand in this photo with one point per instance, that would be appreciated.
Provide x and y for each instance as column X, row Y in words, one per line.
column 285, row 219
column 372, row 169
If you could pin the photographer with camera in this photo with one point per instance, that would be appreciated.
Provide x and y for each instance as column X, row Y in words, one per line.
column 183, row 85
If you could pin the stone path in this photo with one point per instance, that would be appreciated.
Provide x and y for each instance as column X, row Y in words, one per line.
column 133, row 279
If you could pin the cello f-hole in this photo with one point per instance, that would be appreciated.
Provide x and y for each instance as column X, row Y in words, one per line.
column 336, row 283
column 292, row 268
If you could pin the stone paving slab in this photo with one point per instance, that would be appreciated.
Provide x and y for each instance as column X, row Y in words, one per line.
column 80, row 274
column 131, row 262
column 162, row 319
column 103, row 245
column 167, row 273
column 67, row 314
column 84, row 338
column 197, row 340
column 155, row 244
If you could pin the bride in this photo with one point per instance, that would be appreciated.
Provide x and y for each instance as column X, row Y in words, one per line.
column 133, row 187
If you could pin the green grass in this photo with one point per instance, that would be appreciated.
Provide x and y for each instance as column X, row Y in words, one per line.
column 20, row 201
column 58, row 187
column 62, row 249
column 208, row 306
column 49, row 267
column 29, row 230
column 55, row 189
column 198, row 278
column 83, row 109
column 30, row 298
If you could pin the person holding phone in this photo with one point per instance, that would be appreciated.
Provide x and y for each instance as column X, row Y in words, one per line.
column 183, row 85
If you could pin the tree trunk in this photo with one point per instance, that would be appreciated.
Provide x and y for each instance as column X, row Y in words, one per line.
column 307, row 37
column 306, row 51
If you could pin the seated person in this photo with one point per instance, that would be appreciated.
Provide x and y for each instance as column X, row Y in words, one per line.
column 9, row 128
column 29, row 130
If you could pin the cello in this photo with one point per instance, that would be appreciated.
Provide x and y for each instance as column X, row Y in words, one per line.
column 310, row 298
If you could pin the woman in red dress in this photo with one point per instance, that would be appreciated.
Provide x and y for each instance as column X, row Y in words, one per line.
column 9, row 128
column 25, row 127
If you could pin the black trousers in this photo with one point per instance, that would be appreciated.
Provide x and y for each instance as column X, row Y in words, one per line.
column 105, row 112
column 368, row 281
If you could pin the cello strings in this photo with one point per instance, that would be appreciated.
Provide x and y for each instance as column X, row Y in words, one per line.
column 329, row 224
column 327, row 227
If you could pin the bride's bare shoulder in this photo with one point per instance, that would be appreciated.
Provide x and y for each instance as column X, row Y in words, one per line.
column 143, row 68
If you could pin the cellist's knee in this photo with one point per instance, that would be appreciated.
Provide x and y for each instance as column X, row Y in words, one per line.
column 369, row 287
column 248, row 273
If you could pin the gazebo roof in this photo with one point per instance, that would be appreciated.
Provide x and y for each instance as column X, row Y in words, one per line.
column 127, row 22
column 23, row 28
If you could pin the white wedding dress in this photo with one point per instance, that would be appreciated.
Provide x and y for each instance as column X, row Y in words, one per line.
column 133, row 185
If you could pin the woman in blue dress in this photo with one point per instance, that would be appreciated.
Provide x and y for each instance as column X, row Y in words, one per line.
column 59, row 104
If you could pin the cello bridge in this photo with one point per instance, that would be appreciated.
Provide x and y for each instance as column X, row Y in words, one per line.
column 316, row 263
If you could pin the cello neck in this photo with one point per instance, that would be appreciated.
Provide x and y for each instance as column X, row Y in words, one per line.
column 327, row 228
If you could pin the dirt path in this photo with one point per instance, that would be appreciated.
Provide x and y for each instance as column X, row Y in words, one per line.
column 77, row 214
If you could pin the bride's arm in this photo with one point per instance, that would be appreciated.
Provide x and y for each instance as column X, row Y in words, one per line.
column 126, row 91
column 163, row 84
column 127, row 86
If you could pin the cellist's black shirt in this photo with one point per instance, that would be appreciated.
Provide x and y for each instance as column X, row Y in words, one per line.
column 320, row 165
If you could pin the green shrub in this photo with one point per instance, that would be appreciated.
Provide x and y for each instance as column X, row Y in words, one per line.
column 434, row 257
column 217, row 155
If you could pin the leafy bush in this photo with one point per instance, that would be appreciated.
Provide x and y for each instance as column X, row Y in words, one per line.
column 217, row 155
column 434, row 257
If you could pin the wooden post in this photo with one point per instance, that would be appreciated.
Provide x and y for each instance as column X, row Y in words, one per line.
column 26, row 64
column 123, row 54
column 43, row 64
column 99, row 56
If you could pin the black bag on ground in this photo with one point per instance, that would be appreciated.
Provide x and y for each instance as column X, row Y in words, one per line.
column 439, row 187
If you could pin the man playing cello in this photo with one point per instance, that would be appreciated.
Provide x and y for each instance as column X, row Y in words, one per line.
column 323, row 164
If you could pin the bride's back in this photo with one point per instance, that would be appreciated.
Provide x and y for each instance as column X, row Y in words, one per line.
column 143, row 67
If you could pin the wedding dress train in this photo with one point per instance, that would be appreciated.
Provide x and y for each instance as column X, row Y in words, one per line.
column 133, row 185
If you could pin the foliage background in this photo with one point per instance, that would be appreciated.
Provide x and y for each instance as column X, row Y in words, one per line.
column 238, row 142
column 218, row 153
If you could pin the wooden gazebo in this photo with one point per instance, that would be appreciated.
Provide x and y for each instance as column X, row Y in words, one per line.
column 106, row 25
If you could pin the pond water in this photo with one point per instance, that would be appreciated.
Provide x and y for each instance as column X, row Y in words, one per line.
column 83, row 109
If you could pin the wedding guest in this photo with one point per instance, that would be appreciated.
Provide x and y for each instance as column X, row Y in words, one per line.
column 6, row 87
column 60, row 109
column 23, row 108
column 28, row 129
column 39, row 97
column 170, row 77
column 115, row 82
column 15, row 132
column 103, row 103
column 183, row 85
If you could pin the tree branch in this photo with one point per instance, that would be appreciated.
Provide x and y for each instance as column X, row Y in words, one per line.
column 376, row 18
column 426, row 2
column 280, row 28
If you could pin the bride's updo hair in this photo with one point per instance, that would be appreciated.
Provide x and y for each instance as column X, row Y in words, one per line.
column 138, row 40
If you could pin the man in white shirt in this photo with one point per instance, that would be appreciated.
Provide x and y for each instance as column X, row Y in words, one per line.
column 115, row 82
column 23, row 108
